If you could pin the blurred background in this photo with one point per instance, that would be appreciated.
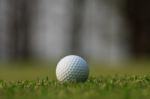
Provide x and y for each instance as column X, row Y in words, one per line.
column 99, row 30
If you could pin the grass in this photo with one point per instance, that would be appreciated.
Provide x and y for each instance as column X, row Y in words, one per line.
column 110, row 87
column 103, row 83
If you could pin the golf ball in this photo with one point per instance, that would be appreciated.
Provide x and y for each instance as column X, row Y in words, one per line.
column 72, row 68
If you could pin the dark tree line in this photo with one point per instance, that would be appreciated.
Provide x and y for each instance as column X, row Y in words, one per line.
column 138, row 16
column 21, row 14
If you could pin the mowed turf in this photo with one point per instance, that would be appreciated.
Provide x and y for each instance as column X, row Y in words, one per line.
column 104, row 83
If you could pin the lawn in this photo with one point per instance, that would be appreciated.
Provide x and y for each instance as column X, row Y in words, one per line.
column 104, row 83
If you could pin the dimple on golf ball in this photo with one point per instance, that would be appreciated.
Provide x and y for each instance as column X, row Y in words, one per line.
column 72, row 68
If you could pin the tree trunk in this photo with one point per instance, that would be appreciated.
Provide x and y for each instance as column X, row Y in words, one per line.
column 20, row 27
column 139, row 18
column 77, row 21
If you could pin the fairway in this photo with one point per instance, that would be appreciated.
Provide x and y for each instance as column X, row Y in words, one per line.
column 103, row 83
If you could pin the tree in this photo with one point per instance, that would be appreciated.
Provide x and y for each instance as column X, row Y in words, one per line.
column 21, row 15
column 139, row 18
column 77, row 20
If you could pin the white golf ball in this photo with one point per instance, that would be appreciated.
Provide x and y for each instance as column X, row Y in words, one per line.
column 72, row 68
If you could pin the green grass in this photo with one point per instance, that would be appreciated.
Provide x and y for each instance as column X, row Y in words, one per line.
column 103, row 83
column 108, row 87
